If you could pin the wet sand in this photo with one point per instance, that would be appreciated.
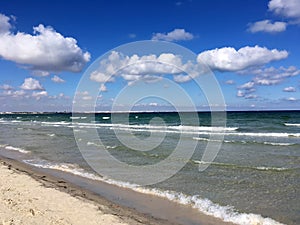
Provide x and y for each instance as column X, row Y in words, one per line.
column 30, row 195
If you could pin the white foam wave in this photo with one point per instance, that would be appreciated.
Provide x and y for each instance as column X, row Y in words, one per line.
column 203, row 128
column 197, row 130
column 278, row 144
column 65, row 167
column 181, row 129
column 204, row 205
column 111, row 147
column 213, row 140
column 51, row 135
column 12, row 148
column 244, row 142
column 77, row 117
column 89, row 143
column 292, row 124
column 264, row 134
column 262, row 168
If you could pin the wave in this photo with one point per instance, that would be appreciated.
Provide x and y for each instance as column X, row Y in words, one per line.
column 215, row 140
column 244, row 142
column 65, row 167
column 278, row 144
column 180, row 129
column 77, row 117
column 12, row 148
column 89, row 143
column 261, row 168
column 292, row 124
column 204, row 205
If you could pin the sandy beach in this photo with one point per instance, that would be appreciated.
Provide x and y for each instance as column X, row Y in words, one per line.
column 24, row 200
column 31, row 196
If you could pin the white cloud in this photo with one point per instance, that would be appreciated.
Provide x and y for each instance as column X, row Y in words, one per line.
column 267, row 26
column 246, row 89
column 44, row 51
column 251, row 96
column 6, row 87
column 230, row 82
column 240, row 93
column 272, row 76
column 248, row 85
column 229, row 59
column 175, row 35
column 40, row 73
column 103, row 88
column 40, row 94
column 286, row 8
column 101, row 77
column 289, row 89
column 15, row 94
column 292, row 99
column 31, row 84
column 4, row 24
column 149, row 68
column 57, row 79
column 266, row 77
column 84, row 95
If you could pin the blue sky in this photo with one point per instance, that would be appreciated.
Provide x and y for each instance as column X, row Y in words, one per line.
column 252, row 47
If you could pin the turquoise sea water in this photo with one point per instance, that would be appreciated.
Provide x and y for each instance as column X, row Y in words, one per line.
column 255, row 176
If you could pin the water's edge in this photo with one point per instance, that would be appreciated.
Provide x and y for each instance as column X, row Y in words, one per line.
column 142, row 207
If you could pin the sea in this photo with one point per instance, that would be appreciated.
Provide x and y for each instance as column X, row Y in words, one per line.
column 254, row 178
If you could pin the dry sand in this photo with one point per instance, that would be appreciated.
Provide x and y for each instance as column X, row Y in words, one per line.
column 24, row 200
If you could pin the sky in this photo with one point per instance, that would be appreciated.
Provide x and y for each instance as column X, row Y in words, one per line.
column 251, row 47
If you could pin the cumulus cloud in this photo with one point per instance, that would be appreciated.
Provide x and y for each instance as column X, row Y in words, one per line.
column 230, row 59
column 103, row 88
column 230, row 82
column 6, row 87
column 251, row 96
column 148, row 68
column 292, row 99
column 248, row 85
column 84, row 95
column 38, row 95
column 286, row 8
column 175, row 35
column 267, row 77
column 267, row 26
column 57, row 79
column 5, row 26
column 14, row 94
column 272, row 76
column 240, row 93
column 289, row 89
column 31, row 84
column 43, row 51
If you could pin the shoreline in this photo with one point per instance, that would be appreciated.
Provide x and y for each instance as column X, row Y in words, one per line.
column 127, row 206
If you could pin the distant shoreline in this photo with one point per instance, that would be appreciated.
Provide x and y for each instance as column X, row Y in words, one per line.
column 140, row 112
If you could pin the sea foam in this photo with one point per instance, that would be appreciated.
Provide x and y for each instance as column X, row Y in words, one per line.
column 204, row 205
